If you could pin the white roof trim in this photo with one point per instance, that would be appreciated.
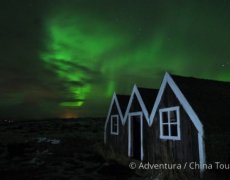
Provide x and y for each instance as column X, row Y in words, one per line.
column 158, row 99
column 114, row 99
column 125, row 116
column 191, row 113
column 143, row 107
column 187, row 107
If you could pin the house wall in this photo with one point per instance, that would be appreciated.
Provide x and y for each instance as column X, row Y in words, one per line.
column 135, row 107
column 156, row 150
column 119, row 143
column 173, row 151
column 116, row 142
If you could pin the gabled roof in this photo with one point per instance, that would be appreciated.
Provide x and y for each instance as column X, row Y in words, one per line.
column 123, row 101
column 210, row 100
column 168, row 80
column 114, row 101
column 148, row 96
column 144, row 98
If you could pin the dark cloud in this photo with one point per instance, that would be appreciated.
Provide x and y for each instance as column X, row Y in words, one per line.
column 182, row 37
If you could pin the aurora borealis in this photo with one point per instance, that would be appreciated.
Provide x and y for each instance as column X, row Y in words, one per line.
column 65, row 59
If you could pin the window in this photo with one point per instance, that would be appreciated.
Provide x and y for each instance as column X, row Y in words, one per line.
column 170, row 123
column 114, row 124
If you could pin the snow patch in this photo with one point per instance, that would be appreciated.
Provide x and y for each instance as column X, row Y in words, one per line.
column 48, row 140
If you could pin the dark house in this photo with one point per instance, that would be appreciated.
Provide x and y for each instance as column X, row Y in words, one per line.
column 115, row 120
column 137, row 125
column 135, row 119
column 186, row 121
column 190, row 121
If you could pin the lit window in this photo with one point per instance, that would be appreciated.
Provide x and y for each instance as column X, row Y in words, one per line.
column 170, row 123
column 114, row 124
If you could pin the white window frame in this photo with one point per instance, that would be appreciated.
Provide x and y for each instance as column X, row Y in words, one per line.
column 168, row 110
column 112, row 118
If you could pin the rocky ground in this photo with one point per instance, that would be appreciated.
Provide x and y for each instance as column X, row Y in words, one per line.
column 55, row 149
column 58, row 149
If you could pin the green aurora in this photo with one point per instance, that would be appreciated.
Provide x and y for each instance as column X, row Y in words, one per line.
column 77, row 53
column 95, row 48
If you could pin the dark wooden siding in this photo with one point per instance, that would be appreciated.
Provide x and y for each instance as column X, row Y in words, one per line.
column 120, row 142
column 135, row 107
column 173, row 151
column 116, row 142
column 155, row 149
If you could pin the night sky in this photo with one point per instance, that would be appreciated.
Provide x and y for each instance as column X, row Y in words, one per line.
column 65, row 58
